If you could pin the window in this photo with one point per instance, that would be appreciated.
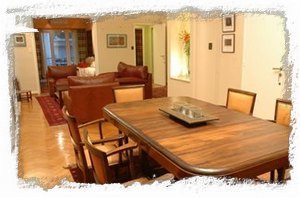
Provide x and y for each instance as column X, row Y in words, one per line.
column 59, row 47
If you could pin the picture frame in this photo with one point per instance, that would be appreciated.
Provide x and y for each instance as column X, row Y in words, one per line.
column 19, row 40
column 228, row 43
column 116, row 40
column 228, row 23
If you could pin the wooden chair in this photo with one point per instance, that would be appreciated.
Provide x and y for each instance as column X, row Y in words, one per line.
column 128, row 93
column 282, row 116
column 240, row 100
column 283, row 110
column 22, row 93
column 102, row 168
column 81, row 154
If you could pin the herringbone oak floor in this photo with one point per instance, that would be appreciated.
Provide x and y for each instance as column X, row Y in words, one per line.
column 45, row 150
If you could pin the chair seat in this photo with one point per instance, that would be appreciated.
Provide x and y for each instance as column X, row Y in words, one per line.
column 136, row 152
column 24, row 94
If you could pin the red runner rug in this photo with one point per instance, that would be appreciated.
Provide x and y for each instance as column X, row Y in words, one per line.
column 51, row 110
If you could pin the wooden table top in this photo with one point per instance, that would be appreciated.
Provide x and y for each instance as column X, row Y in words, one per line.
column 237, row 144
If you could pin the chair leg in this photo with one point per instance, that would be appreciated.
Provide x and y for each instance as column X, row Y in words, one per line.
column 272, row 176
column 100, row 130
column 131, row 165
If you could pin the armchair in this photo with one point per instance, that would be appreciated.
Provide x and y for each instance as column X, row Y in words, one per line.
column 85, row 102
column 82, row 169
column 57, row 77
column 282, row 116
column 103, row 169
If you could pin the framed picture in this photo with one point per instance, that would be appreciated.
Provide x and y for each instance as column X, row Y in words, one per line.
column 116, row 40
column 19, row 40
column 228, row 43
column 228, row 23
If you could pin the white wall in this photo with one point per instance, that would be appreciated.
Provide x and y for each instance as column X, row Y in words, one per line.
column 229, row 65
column 205, row 60
column 108, row 58
column 26, row 69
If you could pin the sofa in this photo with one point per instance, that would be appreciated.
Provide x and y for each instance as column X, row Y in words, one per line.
column 133, row 75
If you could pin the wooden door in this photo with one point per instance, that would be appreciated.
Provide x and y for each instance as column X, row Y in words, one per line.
column 159, row 54
column 139, row 58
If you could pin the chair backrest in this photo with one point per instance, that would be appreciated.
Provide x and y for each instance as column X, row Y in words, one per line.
column 283, row 112
column 128, row 93
column 78, row 145
column 85, row 102
column 16, row 84
column 101, row 170
column 240, row 100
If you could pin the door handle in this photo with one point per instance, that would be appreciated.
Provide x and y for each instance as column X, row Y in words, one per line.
column 277, row 68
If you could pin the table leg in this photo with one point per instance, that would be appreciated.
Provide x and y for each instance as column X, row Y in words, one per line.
column 144, row 161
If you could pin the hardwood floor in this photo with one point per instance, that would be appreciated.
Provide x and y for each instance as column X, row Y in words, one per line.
column 45, row 150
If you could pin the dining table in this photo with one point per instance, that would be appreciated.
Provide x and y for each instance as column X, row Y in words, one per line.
column 190, row 137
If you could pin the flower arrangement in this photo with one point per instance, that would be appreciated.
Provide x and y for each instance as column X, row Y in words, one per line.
column 185, row 37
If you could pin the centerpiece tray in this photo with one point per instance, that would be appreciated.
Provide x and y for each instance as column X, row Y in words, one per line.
column 189, row 114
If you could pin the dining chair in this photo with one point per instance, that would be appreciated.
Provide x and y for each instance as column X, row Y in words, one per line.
column 240, row 100
column 22, row 93
column 128, row 93
column 102, row 168
column 283, row 112
column 82, row 165
column 131, row 93
column 282, row 116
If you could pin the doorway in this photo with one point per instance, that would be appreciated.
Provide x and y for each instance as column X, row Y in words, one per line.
column 58, row 48
column 61, row 47
column 150, row 50
column 139, row 56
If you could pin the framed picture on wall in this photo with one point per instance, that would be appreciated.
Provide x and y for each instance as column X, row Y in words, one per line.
column 228, row 43
column 228, row 23
column 116, row 40
column 19, row 40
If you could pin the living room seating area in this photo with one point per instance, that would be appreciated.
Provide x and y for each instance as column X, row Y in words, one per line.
column 125, row 75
